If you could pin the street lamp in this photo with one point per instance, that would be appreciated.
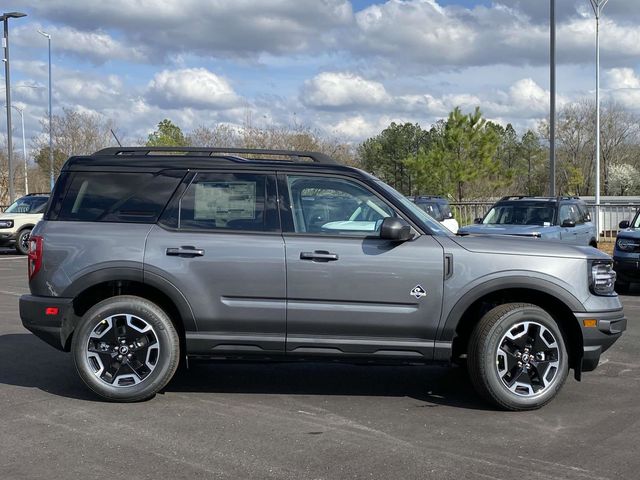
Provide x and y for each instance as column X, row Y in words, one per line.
column 552, row 98
column 598, row 5
column 5, row 19
column 48, row 37
column 24, row 148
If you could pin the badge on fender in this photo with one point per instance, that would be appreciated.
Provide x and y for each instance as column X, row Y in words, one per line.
column 418, row 291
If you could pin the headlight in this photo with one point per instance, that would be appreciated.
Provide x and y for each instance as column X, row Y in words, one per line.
column 6, row 223
column 627, row 244
column 602, row 278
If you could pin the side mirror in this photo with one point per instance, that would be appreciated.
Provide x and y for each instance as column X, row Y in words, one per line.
column 624, row 224
column 568, row 223
column 395, row 229
column 477, row 220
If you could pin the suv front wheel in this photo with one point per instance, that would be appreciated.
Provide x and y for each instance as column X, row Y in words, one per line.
column 22, row 241
column 517, row 357
column 126, row 349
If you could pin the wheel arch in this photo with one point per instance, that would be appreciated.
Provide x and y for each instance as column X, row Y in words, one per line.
column 94, row 287
column 555, row 300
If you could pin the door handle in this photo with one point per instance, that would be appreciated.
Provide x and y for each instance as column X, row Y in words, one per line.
column 185, row 251
column 319, row 256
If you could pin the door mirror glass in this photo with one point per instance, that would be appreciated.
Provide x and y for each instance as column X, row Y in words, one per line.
column 395, row 229
column 568, row 223
column 624, row 224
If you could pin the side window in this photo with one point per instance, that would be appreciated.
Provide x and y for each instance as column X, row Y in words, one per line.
column 115, row 196
column 569, row 211
column 225, row 201
column 334, row 206
column 584, row 213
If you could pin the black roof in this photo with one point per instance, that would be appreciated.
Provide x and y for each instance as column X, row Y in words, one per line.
column 184, row 158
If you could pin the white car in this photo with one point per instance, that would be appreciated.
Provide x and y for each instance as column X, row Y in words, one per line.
column 18, row 220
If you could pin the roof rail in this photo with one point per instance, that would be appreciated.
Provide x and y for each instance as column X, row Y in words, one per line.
column 292, row 155
column 559, row 197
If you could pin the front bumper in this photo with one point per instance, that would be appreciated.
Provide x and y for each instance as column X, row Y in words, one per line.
column 7, row 238
column 627, row 269
column 597, row 340
column 55, row 329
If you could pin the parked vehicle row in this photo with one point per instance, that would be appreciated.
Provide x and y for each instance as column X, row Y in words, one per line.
column 147, row 256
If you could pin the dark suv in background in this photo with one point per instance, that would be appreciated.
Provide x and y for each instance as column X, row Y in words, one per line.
column 438, row 208
column 626, row 254
column 565, row 219
column 146, row 256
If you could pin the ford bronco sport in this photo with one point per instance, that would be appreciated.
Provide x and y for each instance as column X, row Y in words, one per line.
column 147, row 256
column 17, row 221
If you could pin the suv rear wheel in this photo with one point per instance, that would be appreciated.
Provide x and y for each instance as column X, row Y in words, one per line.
column 517, row 357
column 126, row 349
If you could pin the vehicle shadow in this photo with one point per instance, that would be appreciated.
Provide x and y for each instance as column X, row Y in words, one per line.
column 26, row 362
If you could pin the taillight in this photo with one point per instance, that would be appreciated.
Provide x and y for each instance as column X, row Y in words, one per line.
column 34, row 259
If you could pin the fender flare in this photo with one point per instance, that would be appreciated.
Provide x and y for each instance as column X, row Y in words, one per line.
column 448, row 329
column 135, row 274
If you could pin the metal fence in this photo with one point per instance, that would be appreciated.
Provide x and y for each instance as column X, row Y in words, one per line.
column 611, row 214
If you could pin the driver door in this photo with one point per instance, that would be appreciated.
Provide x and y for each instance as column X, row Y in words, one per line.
column 348, row 291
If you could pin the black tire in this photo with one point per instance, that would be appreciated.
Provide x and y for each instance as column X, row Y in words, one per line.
column 164, row 338
column 22, row 241
column 622, row 287
column 485, row 356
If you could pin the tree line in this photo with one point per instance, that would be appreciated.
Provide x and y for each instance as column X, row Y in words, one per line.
column 463, row 157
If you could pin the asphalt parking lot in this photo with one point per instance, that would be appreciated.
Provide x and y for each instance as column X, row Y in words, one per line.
column 313, row 421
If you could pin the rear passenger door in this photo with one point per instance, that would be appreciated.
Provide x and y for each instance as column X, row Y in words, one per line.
column 219, row 243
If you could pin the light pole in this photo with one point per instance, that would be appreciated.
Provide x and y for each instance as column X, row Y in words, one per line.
column 48, row 37
column 24, row 147
column 552, row 98
column 598, row 5
column 5, row 19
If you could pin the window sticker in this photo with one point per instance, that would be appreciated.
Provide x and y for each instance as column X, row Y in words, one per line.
column 223, row 201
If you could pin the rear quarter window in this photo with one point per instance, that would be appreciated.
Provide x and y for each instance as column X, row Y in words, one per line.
column 113, row 196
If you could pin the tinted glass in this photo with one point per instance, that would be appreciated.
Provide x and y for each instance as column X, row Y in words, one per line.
column 117, row 197
column 335, row 206
column 432, row 209
column 520, row 214
column 570, row 211
column 31, row 205
column 225, row 201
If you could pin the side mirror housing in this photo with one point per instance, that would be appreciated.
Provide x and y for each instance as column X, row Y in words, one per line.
column 568, row 223
column 395, row 230
column 477, row 221
column 624, row 224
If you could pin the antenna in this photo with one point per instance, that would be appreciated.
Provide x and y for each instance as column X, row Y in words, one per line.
column 114, row 136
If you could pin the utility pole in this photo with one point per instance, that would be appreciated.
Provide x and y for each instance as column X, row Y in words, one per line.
column 597, row 6
column 552, row 100
column 7, row 78
column 51, row 179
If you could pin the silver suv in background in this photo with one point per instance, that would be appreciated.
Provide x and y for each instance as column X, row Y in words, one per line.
column 564, row 219
column 147, row 256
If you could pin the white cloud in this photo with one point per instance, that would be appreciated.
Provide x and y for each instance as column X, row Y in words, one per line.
column 96, row 46
column 340, row 90
column 196, row 88
column 622, row 78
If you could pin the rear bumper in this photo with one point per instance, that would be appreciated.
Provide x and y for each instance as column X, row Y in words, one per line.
column 48, row 327
column 597, row 340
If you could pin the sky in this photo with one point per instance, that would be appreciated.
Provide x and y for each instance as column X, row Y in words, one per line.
column 344, row 68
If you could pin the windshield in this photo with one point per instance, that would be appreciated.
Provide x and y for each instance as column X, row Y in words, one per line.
column 28, row 205
column 520, row 214
column 429, row 222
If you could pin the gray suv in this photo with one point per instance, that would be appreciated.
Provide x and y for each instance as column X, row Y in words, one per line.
column 146, row 257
